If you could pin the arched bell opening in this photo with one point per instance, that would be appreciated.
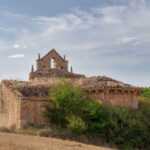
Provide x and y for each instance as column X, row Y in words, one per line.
column 53, row 63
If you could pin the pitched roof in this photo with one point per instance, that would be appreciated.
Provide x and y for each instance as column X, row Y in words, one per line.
column 53, row 51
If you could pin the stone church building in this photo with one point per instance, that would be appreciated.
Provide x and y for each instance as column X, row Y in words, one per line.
column 21, row 102
column 50, row 66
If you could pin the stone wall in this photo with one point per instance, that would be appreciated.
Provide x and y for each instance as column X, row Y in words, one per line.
column 21, row 103
column 127, row 98
column 50, row 66
column 40, row 77
column 10, row 108
column 17, row 111
column 32, row 111
column 45, row 62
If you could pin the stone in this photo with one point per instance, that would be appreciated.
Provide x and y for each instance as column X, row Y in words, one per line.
column 21, row 102
column 52, row 65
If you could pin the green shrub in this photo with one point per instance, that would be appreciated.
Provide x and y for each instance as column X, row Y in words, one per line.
column 146, row 92
column 74, row 110
column 55, row 115
column 76, row 124
column 66, row 100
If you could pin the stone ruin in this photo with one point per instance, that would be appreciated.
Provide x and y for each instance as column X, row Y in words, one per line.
column 21, row 102
column 50, row 66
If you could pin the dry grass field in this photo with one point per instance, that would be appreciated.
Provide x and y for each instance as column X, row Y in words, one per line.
column 10, row 141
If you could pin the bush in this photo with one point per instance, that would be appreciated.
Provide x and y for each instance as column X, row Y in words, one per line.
column 67, row 106
column 146, row 92
column 72, row 109
column 76, row 124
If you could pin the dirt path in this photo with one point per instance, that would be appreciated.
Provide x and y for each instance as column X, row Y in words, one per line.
column 23, row 142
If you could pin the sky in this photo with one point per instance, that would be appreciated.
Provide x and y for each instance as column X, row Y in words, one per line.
column 99, row 37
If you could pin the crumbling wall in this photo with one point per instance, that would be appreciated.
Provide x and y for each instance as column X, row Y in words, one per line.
column 32, row 111
column 22, row 105
column 126, row 98
column 2, row 115
column 10, row 107
column 53, row 74
column 45, row 62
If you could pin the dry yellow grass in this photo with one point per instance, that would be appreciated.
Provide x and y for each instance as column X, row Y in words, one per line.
column 24, row 142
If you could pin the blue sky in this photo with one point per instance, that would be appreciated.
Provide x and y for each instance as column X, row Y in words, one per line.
column 98, row 37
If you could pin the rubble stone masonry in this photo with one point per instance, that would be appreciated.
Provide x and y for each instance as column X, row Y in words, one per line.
column 21, row 102
column 17, row 111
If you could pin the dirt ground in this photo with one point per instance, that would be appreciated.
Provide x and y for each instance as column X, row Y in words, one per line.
column 10, row 141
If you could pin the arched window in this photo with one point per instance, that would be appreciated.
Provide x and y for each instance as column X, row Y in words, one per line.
column 53, row 63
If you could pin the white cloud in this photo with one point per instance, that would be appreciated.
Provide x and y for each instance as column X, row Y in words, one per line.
column 111, row 20
column 96, row 35
column 102, row 26
column 16, row 46
column 126, row 40
column 17, row 56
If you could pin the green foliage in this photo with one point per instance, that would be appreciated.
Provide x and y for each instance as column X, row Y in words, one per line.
column 76, row 124
column 146, row 92
column 68, row 98
column 74, row 110
column 125, row 128
column 65, row 100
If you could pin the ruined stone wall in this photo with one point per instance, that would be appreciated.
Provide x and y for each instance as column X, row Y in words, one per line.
column 10, row 108
column 17, row 111
column 2, row 115
column 34, row 77
column 121, row 97
column 45, row 62
column 21, row 103
column 32, row 111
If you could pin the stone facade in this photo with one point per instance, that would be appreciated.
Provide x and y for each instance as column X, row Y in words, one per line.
column 21, row 103
column 50, row 66
column 19, row 110
column 9, row 107
column 111, row 91
column 116, row 96
column 32, row 111
column 52, row 60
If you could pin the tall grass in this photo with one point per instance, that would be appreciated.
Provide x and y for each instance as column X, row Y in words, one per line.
column 80, row 114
